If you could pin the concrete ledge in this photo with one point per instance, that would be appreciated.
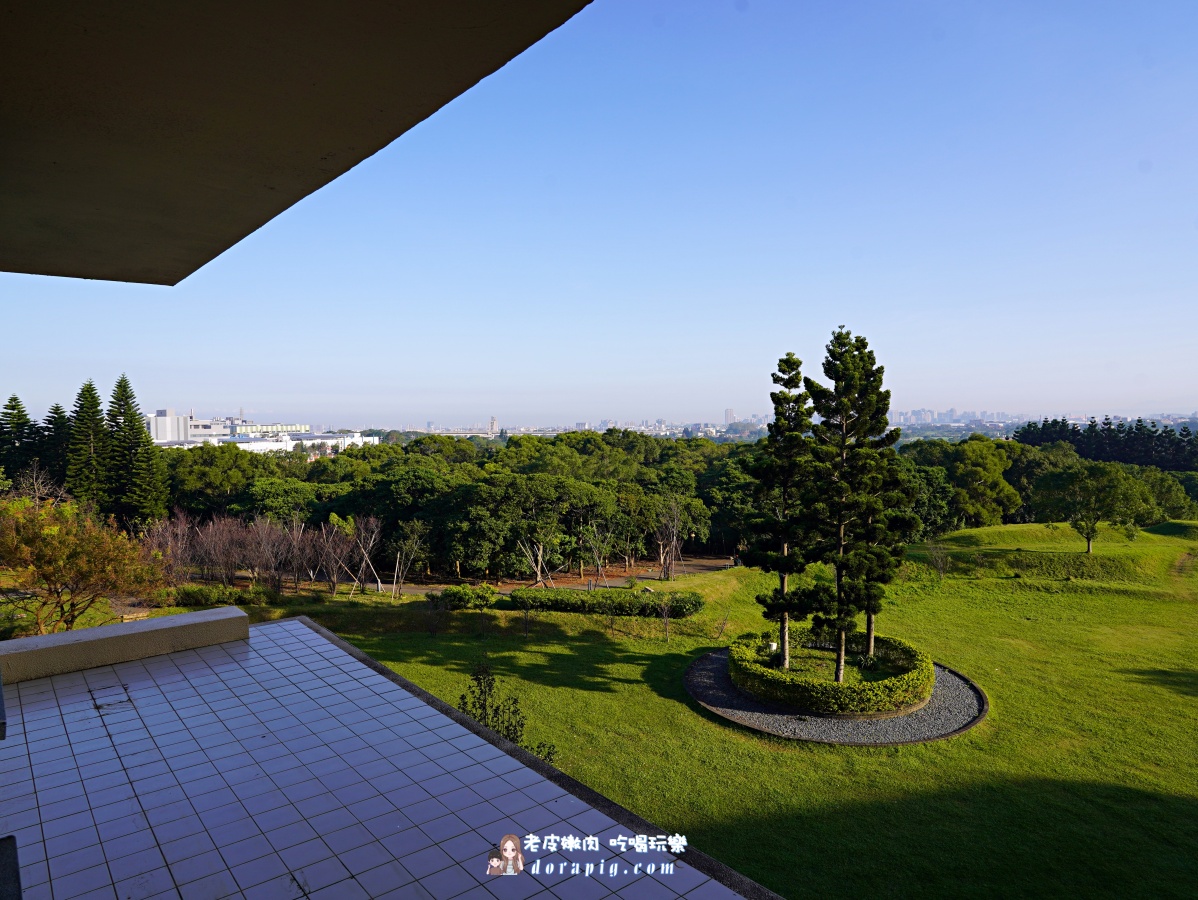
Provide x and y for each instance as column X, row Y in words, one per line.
column 23, row 659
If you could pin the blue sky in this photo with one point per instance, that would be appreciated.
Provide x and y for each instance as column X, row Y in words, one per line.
column 639, row 215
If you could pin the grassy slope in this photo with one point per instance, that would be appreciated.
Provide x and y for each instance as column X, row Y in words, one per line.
column 1083, row 779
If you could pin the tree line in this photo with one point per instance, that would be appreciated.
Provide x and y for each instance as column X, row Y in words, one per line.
column 531, row 507
column 1140, row 443
column 104, row 459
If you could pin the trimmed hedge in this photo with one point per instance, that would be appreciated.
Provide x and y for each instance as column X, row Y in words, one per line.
column 463, row 596
column 220, row 595
column 608, row 601
column 747, row 668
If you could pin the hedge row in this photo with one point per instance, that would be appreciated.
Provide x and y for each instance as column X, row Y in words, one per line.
column 749, row 672
column 609, row 601
column 463, row 596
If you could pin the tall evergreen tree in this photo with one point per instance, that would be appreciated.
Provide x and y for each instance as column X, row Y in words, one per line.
column 87, row 451
column 148, row 495
column 18, row 436
column 777, row 527
column 127, row 438
column 856, row 512
column 55, row 442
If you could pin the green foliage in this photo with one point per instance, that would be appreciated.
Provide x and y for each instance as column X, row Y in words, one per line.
column 87, row 453
column 66, row 563
column 18, row 436
column 1090, row 493
column 1140, row 443
column 778, row 524
column 975, row 467
column 857, row 513
column 55, row 442
column 463, row 596
column 609, row 601
column 749, row 669
column 223, row 595
column 483, row 703
column 931, row 498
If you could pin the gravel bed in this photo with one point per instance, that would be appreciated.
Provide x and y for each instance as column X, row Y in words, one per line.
column 956, row 704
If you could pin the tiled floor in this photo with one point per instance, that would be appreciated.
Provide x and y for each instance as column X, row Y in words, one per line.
column 282, row 767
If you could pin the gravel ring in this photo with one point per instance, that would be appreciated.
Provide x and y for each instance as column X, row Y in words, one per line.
column 957, row 704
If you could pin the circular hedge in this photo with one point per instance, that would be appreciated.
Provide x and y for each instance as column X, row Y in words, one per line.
column 749, row 668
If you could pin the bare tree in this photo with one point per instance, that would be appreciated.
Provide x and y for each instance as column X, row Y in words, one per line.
column 34, row 483
column 410, row 546
column 301, row 556
column 368, row 531
column 534, row 552
column 267, row 548
column 599, row 539
column 172, row 540
column 669, row 534
column 220, row 548
column 334, row 548
column 938, row 557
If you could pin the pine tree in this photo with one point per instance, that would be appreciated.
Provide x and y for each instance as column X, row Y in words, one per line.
column 857, row 512
column 18, row 436
column 88, row 448
column 126, row 435
column 147, row 498
column 55, row 443
column 777, row 526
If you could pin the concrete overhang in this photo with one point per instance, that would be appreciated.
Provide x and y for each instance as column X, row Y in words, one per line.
column 139, row 140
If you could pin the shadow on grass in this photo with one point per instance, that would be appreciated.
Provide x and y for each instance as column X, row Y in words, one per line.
column 591, row 659
column 1033, row 838
column 1187, row 530
column 1181, row 681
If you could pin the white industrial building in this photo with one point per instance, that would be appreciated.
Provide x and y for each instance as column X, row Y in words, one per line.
column 169, row 430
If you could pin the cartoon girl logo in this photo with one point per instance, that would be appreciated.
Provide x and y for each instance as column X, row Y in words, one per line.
column 507, row 859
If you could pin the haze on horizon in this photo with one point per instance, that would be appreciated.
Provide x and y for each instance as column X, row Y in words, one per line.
column 639, row 215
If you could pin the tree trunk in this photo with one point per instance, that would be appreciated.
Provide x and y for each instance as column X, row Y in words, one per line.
column 1089, row 544
column 840, row 635
column 869, row 634
column 784, row 621
column 784, row 639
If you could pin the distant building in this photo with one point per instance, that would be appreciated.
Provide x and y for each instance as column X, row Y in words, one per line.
column 275, row 428
column 729, row 416
column 165, row 427
column 493, row 428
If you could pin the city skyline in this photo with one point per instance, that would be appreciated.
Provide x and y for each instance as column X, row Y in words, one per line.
column 649, row 207
column 494, row 425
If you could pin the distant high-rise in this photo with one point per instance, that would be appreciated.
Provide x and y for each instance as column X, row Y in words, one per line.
column 729, row 416
column 493, row 428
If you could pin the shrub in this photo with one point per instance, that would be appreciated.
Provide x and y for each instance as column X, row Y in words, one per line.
column 608, row 601
column 748, row 669
column 206, row 595
column 463, row 596
column 219, row 595
column 483, row 703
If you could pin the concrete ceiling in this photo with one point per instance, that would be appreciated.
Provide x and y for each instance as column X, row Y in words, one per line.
column 139, row 139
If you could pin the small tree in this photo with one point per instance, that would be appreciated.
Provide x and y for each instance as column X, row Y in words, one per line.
column 1091, row 493
column 65, row 562
column 411, row 546
column 483, row 703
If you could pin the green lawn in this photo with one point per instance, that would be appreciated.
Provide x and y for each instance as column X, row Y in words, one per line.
column 1082, row 781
